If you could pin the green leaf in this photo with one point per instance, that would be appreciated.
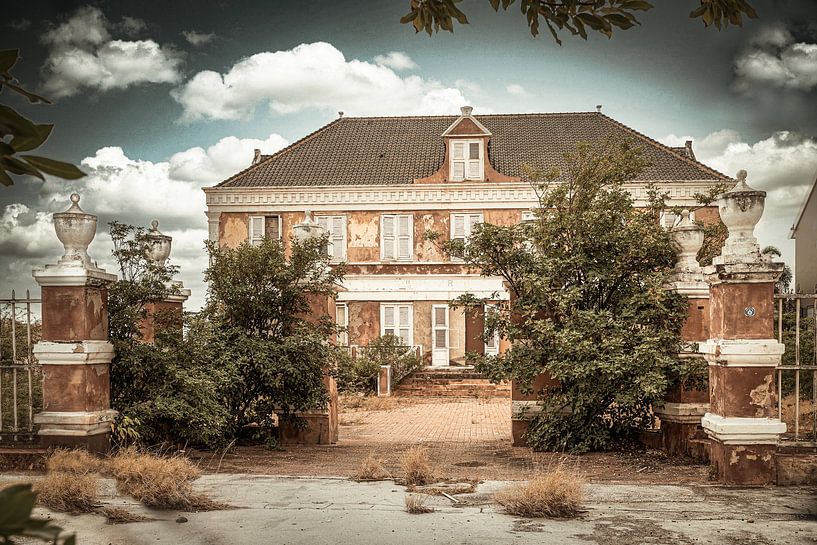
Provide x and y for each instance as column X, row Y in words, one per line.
column 13, row 123
column 22, row 143
column 55, row 168
column 5, row 179
column 33, row 98
column 8, row 58
column 16, row 166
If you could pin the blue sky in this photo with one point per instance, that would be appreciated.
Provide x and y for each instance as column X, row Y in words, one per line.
column 158, row 99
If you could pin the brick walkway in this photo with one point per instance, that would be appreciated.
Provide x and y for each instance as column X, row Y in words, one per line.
column 430, row 421
column 466, row 439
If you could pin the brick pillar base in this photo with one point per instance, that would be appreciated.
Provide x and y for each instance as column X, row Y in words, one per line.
column 384, row 381
column 524, row 406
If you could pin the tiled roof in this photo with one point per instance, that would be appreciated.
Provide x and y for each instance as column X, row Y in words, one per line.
column 396, row 150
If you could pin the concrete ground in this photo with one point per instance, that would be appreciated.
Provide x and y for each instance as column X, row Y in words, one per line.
column 314, row 511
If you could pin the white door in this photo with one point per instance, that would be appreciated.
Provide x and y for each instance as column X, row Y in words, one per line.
column 439, row 335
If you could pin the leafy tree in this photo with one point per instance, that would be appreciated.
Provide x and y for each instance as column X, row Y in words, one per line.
column 574, row 16
column 260, row 300
column 19, row 134
column 784, row 282
column 589, row 304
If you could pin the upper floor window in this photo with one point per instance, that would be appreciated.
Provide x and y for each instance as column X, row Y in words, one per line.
column 396, row 237
column 462, row 225
column 336, row 227
column 261, row 227
column 466, row 160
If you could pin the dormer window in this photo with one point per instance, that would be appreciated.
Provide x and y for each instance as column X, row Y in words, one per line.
column 467, row 160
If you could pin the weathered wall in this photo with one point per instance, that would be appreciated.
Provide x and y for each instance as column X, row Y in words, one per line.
column 363, row 236
column 364, row 321
column 233, row 228
column 456, row 335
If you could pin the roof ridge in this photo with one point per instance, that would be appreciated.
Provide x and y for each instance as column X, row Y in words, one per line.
column 279, row 152
column 455, row 115
column 664, row 147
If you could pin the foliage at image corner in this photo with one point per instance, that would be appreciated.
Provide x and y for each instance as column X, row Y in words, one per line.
column 16, row 504
column 220, row 374
column 19, row 135
column 589, row 304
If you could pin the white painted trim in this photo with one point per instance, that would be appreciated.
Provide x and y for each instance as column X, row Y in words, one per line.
column 684, row 413
column 743, row 431
column 73, row 353
column 443, row 196
column 436, row 353
column 419, row 287
column 388, row 382
column 524, row 410
column 66, row 275
column 742, row 352
column 396, row 326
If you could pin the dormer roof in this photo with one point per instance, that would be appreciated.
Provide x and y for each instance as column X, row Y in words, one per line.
column 466, row 125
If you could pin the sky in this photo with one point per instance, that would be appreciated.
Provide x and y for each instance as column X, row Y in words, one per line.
column 155, row 100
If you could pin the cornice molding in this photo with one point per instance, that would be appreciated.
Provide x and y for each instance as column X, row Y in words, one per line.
column 479, row 195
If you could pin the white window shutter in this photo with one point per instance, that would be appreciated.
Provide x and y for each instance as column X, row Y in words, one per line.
column 473, row 220
column 459, row 150
column 404, row 237
column 338, row 238
column 459, row 226
column 256, row 230
column 387, row 238
column 458, row 173
column 473, row 170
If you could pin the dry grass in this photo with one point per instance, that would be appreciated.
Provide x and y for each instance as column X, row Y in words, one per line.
column 75, row 462
column 69, row 493
column 158, row 482
column 371, row 468
column 416, row 466
column 558, row 493
column 416, row 504
column 450, row 488
column 367, row 403
column 117, row 515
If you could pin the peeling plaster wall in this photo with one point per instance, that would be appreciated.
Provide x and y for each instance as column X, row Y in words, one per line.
column 364, row 321
column 363, row 232
column 233, row 228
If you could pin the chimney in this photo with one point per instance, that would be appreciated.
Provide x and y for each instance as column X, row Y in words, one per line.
column 466, row 111
column 690, row 153
column 257, row 156
column 598, row 108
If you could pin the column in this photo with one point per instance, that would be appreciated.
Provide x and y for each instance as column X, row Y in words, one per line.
column 159, row 246
column 684, row 404
column 74, row 351
column 742, row 352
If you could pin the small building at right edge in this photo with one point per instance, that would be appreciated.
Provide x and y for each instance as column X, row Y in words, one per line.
column 804, row 233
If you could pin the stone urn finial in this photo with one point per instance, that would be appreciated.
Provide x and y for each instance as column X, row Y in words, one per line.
column 159, row 245
column 740, row 210
column 690, row 237
column 308, row 228
column 75, row 229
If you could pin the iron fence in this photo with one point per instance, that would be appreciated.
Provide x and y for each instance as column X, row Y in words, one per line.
column 21, row 377
column 797, row 372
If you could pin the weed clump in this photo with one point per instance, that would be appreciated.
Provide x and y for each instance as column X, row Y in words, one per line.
column 556, row 494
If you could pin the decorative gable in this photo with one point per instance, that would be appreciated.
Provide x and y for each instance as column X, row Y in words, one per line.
column 466, row 153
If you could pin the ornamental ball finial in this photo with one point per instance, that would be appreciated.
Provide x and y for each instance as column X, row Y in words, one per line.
column 742, row 175
column 154, row 225
column 75, row 198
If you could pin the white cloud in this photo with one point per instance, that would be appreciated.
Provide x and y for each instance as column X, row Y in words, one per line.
column 784, row 165
column 311, row 76
column 396, row 60
column 83, row 54
column 132, row 26
column 774, row 59
column 517, row 90
column 197, row 38
column 132, row 191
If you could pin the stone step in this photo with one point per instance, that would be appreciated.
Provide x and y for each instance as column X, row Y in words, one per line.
column 450, row 382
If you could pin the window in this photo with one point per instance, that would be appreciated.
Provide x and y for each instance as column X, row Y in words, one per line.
column 462, row 225
column 342, row 321
column 396, row 237
column 261, row 227
column 336, row 227
column 396, row 319
column 466, row 160
column 492, row 344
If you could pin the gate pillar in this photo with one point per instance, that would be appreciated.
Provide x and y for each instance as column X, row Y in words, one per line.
column 74, row 351
column 685, row 404
column 742, row 352
column 159, row 246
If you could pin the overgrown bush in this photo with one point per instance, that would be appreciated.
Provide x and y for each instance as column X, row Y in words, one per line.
column 360, row 374
column 589, row 304
column 207, row 378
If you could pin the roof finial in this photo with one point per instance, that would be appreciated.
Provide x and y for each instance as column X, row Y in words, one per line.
column 598, row 108
column 340, row 114
column 466, row 110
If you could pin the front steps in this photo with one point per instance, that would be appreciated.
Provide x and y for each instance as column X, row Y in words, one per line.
column 450, row 382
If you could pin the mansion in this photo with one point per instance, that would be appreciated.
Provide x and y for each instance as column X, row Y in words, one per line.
column 377, row 184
